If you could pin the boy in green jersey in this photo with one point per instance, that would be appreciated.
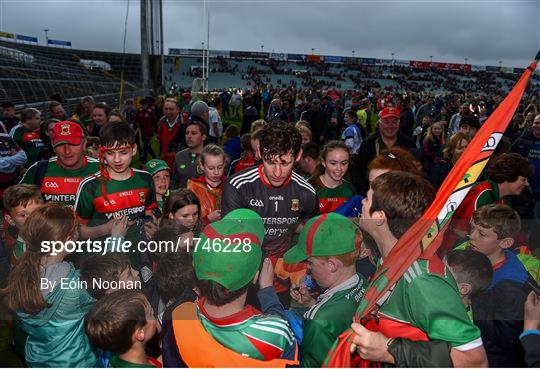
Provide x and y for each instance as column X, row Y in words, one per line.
column 330, row 244
column 117, row 192
column 27, row 135
column 424, row 305
column 122, row 323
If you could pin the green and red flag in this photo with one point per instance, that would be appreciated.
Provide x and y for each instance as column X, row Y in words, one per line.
column 424, row 238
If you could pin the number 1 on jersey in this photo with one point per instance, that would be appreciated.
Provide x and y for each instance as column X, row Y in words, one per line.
column 276, row 203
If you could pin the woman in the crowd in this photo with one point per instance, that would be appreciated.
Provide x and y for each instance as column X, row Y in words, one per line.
column 451, row 154
column 332, row 189
column 433, row 144
column 99, row 118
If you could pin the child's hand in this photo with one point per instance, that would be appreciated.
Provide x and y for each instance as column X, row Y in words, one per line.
column 215, row 215
column 532, row 312
column 150, row 228
column 300, row 294
column 120, row 226
column 266, row 275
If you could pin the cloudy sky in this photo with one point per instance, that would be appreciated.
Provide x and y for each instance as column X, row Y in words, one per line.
column 452, row 30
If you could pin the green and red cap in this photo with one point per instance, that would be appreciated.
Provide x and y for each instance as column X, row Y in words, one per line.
column 229, row 250
column 329, row 234
column 156, row 165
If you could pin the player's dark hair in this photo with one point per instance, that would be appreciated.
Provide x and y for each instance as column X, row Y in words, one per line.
column 472, row 267
column 280, row 138
column 112, row 321
column 403, row 197
column 116, row 134
column 509, row 167
column 218, row 295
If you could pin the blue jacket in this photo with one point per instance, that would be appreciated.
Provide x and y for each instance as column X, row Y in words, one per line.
column 56, row 336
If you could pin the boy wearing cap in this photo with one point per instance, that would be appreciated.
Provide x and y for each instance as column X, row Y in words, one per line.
column 58, row 178
column 161, row 174
column 388, row 135
column 330, row 244
column 220, row 329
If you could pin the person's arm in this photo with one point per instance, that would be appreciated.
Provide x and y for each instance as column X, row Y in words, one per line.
column 267, row 295
column 474, row 358
column 10, row 163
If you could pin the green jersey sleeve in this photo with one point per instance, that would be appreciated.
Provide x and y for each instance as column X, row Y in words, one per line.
column 84, row 201
column 438, row 310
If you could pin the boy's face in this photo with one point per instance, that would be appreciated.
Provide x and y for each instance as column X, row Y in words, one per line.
column 17, row 216
column 320, row 270
column 367, row 221
column 485, row 240
column 162, row 180
column 213, row 167
column 152, row 325
column 119, row 158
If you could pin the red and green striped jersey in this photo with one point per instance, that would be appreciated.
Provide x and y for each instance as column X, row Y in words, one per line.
column 332, row 198
column 61, row 184
column 131, row 197
column 30, row 142
column 481, row 194
column 248, row 332
column 425, row 304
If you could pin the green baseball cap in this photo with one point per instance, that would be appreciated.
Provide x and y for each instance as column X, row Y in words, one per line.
column 156, row 165
column 329, row 234
column 229, row 251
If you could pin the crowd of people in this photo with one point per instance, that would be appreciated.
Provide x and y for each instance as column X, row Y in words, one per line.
column 271, row 210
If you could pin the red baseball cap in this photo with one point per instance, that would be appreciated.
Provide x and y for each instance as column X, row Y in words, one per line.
column 67, row 133
column 389, row 112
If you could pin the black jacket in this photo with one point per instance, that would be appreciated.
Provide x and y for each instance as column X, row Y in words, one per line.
column 369, row 149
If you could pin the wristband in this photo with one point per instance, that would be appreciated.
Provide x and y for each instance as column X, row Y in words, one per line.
column 389, row 342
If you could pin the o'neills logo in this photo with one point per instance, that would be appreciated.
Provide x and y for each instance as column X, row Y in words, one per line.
column 65, row 131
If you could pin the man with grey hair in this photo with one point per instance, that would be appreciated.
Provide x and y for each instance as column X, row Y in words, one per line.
column 27, row 135
column 200, row 112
